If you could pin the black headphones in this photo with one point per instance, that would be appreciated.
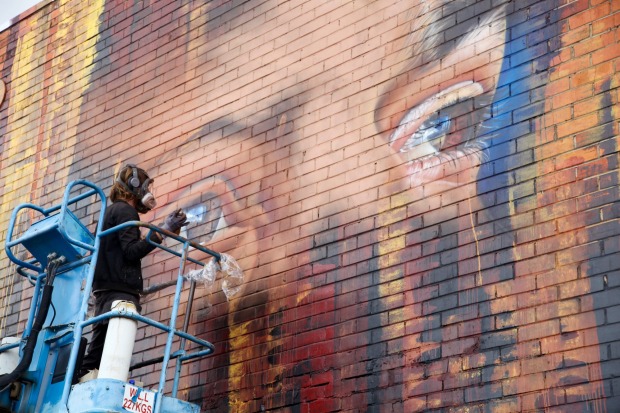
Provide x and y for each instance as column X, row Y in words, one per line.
column 134, row 180
column 133, row 183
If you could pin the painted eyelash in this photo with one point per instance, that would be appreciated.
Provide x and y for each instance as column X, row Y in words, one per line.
column 424, row 169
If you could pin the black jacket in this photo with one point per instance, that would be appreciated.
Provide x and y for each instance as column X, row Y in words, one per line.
column 118, row 263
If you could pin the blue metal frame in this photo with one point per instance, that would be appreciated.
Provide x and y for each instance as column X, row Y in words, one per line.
column 36, row 275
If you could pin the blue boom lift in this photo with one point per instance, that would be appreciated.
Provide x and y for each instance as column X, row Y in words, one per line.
column 64, row 254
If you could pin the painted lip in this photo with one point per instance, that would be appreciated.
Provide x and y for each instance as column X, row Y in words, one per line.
column 403, row 138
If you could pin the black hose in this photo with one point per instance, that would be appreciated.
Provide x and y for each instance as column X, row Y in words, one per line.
column 31, row 342
column 46, row 299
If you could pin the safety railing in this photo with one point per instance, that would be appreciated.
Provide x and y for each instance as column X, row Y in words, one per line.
column 34, row 270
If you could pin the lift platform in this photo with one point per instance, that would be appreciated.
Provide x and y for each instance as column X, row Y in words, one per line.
column 61, row 269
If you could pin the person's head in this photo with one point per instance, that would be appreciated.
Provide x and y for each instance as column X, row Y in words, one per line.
column 133, row 184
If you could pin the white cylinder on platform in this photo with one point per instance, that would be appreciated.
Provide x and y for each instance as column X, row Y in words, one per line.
column 119, row 342
column 9, row 359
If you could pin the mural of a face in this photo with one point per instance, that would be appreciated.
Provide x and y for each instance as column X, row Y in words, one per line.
column 384, row 173
column 278, row 181
column 381, row 210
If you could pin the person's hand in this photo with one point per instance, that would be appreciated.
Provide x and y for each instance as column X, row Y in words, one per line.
column 175, row 221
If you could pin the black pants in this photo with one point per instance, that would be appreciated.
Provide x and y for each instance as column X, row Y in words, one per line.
column 103, row 304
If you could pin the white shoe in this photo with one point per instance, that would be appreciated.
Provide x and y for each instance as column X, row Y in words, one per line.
column 91, row 375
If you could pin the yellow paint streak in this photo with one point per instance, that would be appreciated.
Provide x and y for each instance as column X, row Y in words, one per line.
column 17, row 166
column 391, row 245
column 84, row 28
column 385, row 247
column 35, row 106
column 238, row 341
column 302, row 295
column 473, row 231
column 391, row 215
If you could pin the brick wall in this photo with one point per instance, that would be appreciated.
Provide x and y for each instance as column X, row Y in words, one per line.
column 422, row 195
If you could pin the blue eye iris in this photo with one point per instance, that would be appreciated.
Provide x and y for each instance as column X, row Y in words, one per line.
column 204, row 219
column 196, row 213
column 432, row 129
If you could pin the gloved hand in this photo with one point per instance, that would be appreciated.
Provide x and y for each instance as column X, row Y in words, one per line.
column 175, row 221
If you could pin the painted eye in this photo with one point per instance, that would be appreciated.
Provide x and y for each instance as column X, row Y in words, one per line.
column 431, row 119
column 205, row 219
column 433, row 131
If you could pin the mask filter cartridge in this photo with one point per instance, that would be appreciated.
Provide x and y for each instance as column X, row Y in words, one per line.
column 149, row 201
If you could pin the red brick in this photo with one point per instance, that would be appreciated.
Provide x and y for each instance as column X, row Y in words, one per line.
column 606, row 23
column 568, row 376
column 563, row 342
column 573, row 95
column 590, row 105
column 593, row 43
column 610, row 52
column 577, row 125
column 580, row 321
column 524, row 384
column 539, row 330
column 589, row 15
column 416, row 388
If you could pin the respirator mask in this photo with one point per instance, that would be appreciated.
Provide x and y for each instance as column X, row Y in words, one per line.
column 143, row 191
column 148, row 200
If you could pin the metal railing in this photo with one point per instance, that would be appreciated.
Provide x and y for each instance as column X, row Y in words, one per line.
column 34, row 271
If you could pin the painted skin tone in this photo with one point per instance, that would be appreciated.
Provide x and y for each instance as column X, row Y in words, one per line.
column 427, row 144
column 253, row 173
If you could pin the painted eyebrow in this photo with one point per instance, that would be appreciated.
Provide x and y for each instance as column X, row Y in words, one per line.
column 194, row 139
column 433, row 39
